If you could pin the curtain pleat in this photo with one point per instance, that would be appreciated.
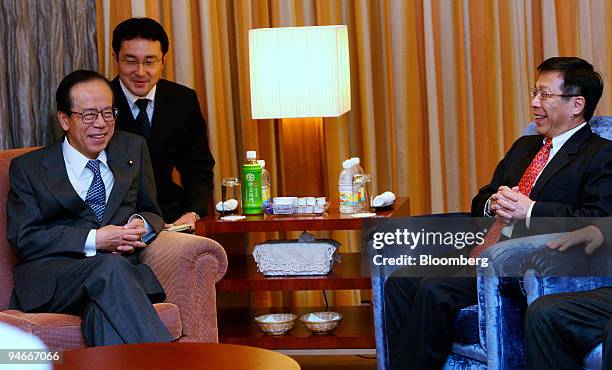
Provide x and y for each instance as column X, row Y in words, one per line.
column 41, row 42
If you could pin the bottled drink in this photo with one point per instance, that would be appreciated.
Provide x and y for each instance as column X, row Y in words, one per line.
column 266, row 199
column 356, row 164
column 359, row 191
column 251, row 177
column 345, row 187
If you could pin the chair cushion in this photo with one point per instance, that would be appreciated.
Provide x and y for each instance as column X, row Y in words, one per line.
column 62, row 332
column 594, row 360
column 465, row 326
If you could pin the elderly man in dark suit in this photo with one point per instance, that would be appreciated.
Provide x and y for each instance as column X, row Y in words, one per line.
column 167, row 114
column 79, row 211
column 565, row 171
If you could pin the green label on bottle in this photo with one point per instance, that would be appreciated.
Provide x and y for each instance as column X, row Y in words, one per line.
column 251, row 174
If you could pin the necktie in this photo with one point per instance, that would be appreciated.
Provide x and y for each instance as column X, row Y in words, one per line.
column 525, row 185
column 143, row 118
column 96, row 194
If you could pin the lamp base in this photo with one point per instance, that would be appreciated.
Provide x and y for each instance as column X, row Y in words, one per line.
column 302, row 158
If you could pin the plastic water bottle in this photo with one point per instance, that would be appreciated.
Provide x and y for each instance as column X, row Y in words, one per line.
column 251, row 177
column 356, row 165
column 345, row 187
column 266, row 199
column 359, row 194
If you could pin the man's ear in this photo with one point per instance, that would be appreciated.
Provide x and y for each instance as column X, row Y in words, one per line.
column 63, row 120
column 114, row 55
column 578, row 105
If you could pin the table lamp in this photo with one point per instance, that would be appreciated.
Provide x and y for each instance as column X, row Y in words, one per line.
column 300, row 75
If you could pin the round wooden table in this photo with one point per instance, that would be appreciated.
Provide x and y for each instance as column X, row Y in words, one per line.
column 151, row 356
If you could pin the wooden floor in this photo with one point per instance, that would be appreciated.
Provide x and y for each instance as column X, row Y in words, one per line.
column 336, row 362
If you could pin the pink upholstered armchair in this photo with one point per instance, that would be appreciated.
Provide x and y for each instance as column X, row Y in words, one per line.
column 187, row 266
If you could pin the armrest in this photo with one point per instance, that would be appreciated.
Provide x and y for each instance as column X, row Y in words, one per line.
column 548, row 272
column 188, row 267
column 501, row 303
column 17, row 322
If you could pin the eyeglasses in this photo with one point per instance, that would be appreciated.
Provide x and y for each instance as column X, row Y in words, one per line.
column 133, row 63
column 89, row 116
column 543, row 95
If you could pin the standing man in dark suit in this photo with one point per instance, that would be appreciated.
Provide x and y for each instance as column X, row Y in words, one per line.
column 561, row 329
column 565, row 171
column 168, row 115
column 79, row 211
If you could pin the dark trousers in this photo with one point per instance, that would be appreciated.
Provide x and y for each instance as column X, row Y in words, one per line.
column 419, row 315
column 561, row 329
column 107, row 292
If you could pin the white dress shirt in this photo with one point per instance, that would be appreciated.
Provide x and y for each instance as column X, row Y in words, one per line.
column 81, row 177
column 131, row 100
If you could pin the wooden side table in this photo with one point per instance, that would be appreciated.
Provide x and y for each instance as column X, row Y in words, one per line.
column 356, row 331
column 149, row 356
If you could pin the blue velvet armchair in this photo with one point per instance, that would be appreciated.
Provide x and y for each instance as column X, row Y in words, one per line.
column 489, row 335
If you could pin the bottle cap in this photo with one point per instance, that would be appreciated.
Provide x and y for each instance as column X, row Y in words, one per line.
column 251, row 154
column 356, row 160
column 262, row 163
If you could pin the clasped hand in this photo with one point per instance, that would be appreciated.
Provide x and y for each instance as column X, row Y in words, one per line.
column 121, row 239
column 510, row 204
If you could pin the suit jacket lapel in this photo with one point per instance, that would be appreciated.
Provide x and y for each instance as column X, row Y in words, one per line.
column 561, row 159
column 160, row 110
column 56, row 180
column 123, row 172
column 125, row 121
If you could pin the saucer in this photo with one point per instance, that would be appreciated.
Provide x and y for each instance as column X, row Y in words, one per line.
column 233, row 218
column 363, row 215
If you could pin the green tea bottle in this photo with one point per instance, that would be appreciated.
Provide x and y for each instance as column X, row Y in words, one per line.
column 251, row 177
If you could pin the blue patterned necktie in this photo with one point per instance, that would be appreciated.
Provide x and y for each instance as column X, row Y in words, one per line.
column 143, row 118
column 96, row 194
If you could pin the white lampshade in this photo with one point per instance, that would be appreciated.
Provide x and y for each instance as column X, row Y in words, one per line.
column 299, row 72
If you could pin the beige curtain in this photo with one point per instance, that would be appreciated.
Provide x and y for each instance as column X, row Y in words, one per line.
column 41, row 42
column 439, row 87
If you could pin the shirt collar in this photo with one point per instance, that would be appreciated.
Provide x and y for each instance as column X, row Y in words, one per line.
column 76, row 160
column 131, row 98
column 559, row 140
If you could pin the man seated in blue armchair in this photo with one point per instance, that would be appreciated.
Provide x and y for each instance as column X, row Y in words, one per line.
column 565, row 171
column 561, row 329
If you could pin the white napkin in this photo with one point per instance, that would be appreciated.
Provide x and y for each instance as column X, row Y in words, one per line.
column 229, row 205
column 383, row 200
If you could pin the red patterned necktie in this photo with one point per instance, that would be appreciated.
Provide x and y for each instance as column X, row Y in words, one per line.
column 525, row 185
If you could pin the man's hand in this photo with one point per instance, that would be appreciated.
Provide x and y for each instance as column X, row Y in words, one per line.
column 188, row 218
column 590, row 236
column 510, row 204
column 121, row 239
column 135, row 224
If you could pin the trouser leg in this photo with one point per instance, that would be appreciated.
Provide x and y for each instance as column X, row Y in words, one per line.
column 425, row 338
column 560, row 329
column 107, row 292
column 607, row 346
column 400, row 292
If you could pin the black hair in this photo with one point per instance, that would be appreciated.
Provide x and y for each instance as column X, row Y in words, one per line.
column 63, row 98
column 579, row 78
column 139, row 28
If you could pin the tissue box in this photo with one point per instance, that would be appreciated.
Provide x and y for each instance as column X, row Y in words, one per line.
column 293, row 258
